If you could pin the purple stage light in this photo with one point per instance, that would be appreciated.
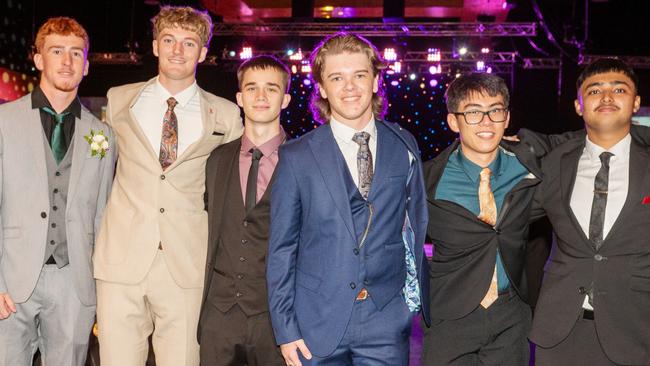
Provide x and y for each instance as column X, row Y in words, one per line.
column 433, row 83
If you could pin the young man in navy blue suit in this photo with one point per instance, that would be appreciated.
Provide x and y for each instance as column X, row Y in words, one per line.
column 348, row 219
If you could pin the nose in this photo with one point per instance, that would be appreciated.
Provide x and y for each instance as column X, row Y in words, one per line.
column 349, row 84
column 67, row 58
column 485, row 120
column 177, row 48
column 260, row 94
column 607, row 97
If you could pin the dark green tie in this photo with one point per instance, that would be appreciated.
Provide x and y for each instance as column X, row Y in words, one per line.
column 57, row 141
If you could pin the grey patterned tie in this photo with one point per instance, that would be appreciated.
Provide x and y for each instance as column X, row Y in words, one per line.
column 601, row 183
column 364, row 162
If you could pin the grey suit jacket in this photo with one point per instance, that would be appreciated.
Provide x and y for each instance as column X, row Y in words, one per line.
column 25, row 205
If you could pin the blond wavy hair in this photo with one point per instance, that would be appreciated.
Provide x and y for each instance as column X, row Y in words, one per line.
column 186, row 18
column 337, row 44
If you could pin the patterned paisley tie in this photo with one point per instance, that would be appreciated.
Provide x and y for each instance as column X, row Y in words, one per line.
column 488, row 215
column 364, row 162
column 169, row 140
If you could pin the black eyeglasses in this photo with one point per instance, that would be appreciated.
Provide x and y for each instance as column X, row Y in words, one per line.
column 496, row 115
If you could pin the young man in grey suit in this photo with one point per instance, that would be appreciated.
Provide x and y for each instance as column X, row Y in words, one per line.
column 56, row 169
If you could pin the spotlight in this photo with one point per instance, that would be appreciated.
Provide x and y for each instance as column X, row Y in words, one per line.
column 433, row 55
column 246, row 53
column 462, row 51
column 489, row 70
column 232, row 53
column 294, row 69
column 485, row 50
column 433, row 82
column 390, row 54
column 296, row 56
column 435, row 69
column 412, row 76
column 290, row 52
column 394, row 83
column 480, row 65
column 305, row 68
column 306, row 82
column 396, row 67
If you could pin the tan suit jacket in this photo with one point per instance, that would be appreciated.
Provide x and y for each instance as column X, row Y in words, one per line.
column 147, row 206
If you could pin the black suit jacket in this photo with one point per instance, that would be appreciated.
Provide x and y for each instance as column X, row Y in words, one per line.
column 465, row 247
column 619, row 270
column 222, row 174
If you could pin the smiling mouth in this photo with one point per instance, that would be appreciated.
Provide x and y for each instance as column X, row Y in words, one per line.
column 608, row 108
column 176, row 61
column 351, row 99
column 485, row 134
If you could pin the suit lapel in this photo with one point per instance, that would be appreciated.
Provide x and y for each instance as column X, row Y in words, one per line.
column 37, row 148
column 331, row 164
column 638, row 183
column 79, row 152
column 207, row 123
column 568, row 171
column 135, row 125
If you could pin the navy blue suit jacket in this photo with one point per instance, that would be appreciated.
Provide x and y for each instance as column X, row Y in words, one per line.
column 314, row 262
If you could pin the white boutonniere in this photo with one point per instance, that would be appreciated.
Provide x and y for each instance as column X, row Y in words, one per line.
column 98, row 143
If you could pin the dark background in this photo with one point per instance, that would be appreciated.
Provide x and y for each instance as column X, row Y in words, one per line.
column 541, row 99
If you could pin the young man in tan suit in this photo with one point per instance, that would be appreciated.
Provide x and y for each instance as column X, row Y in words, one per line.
column 151, row 249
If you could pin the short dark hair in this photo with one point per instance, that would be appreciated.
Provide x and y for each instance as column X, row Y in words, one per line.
column 264, row 62
column 480, row 83
column 607, row 64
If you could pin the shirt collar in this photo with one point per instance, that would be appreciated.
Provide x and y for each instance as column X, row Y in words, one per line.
column 39, row 100
column 266, row 148
column 345, row 133
column 621, row 150
column 182, row 98
column 472, row 170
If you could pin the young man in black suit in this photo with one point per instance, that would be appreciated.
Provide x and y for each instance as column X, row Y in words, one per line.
column 594, row 306
column 235, row 328
column 479, row 199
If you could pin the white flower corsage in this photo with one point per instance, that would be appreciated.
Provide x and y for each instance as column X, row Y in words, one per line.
column 98, row 143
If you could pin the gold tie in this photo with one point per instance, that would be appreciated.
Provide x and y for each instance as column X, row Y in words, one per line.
column 488, row 215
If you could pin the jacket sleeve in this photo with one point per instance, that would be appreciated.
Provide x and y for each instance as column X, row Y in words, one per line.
column 543, row 144
column 108, row 170
column 3, row 285
column 286, row 212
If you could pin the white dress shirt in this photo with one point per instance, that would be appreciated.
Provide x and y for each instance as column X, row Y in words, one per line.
column 583, row 190
column 343, row 135
column 150, row 108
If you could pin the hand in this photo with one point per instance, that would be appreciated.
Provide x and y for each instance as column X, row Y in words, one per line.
column 513, row 138
column 290, row 352
column 7, row 306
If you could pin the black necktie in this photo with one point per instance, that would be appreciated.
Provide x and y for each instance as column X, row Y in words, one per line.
column 597, row 220
column 251, row 185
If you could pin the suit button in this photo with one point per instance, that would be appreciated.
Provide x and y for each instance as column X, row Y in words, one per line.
column 58, row 174
column 240, row 276
column 353, row 285
column 162, row 177
column 244, row 241
column 54, row 208
column 52, row 242
column 582, row 290
column 162, row 210
column 245, row 223
column 239, row 294
column 53, row 225
column 56, row 190
column 242, row 259
column 598, row 257
column 43, row 214
column 355, row 251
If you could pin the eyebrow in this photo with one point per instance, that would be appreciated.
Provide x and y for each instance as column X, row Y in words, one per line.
column 195, row 39
column 366, row 71
column 613, row 83
column 479, row 105
column 253, row 84
column 59, row 46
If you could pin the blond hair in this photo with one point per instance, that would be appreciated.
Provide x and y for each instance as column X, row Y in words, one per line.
column 337, row 44
column 62, row 26
column 186, row 18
